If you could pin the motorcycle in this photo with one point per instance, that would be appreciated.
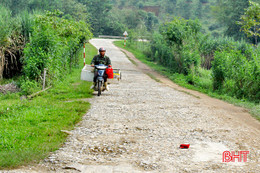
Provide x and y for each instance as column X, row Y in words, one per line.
column 100, row 81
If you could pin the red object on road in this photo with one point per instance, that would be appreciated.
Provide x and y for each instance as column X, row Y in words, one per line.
column 110, row 73
column 185, row 146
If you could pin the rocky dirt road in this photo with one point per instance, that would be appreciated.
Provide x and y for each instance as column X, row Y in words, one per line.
column 139, row 125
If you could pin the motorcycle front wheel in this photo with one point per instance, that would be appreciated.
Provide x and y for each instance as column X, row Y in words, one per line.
column 99, row 87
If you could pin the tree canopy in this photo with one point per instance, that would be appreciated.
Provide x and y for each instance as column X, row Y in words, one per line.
column 250, row 21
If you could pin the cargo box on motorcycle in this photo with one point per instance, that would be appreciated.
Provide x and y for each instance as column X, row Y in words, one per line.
column 87, row 73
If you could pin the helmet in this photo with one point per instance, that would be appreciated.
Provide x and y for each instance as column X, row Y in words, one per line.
column 102, row 49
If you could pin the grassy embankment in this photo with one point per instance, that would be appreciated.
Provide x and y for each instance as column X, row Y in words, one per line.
column 203, row 85
column 31, row 129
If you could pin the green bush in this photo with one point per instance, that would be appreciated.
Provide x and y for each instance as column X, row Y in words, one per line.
column 28, row 86
column 190, row 59
column 218, row 70
column 176, row 45
column 236, row 75
column 161, row 52
column 204, row 80
column 209, row 45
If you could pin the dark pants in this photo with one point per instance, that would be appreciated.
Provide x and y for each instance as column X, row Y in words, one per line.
column 96, row 75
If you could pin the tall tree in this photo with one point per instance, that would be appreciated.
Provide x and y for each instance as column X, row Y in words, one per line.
column 98, row 10
column 198, row 11
column 185, row 9
column 250, row 21
column 74, row 9
column 228, row 12
column 171, row 6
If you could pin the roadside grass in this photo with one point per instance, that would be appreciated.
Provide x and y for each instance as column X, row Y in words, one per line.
column 31, row 129
column 132, row 61
column 153, row 77
column 203, row 80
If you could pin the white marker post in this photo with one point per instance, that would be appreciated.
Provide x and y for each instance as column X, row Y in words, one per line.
column 125, row 34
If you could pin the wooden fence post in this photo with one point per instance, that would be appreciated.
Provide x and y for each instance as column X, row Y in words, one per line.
column 44, row 78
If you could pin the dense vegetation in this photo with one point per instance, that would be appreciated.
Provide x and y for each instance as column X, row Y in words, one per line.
column 33, row 42
column 53, row 45
column 234, row 66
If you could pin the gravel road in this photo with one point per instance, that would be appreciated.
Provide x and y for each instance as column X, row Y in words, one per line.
column 139, row 125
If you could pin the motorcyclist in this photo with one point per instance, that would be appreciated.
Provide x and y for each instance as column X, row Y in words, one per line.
column 101, row 59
